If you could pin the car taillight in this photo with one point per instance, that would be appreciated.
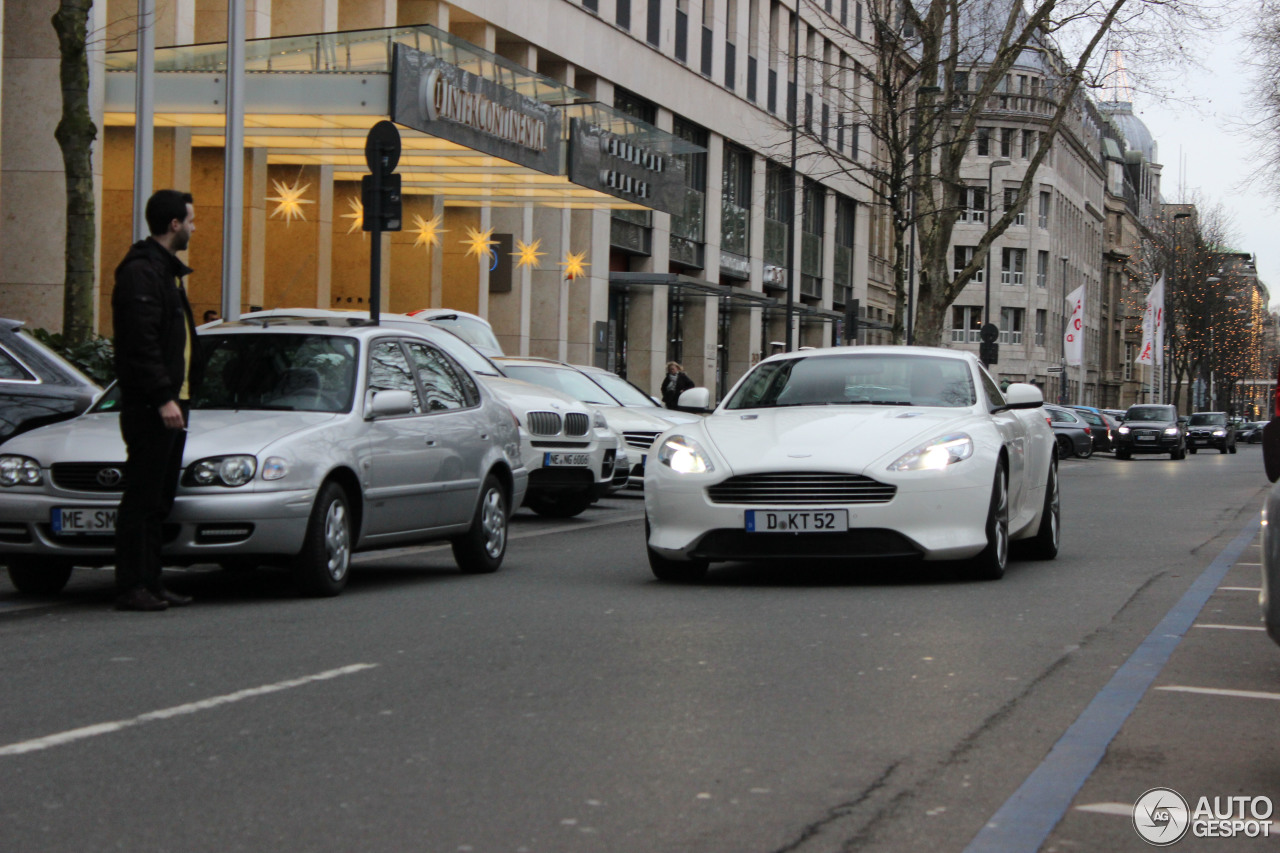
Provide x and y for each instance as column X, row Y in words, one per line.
column 1088, row 431
column 1049, row 421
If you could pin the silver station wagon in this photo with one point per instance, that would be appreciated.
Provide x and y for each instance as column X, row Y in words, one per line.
column 307, row 443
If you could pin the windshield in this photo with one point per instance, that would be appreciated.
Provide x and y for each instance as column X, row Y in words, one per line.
column 889, row 380
column 310, row 373
column 1151, row 413
column 1208, row 419
column 562, row 379
column 622, row 390
column 475, row 332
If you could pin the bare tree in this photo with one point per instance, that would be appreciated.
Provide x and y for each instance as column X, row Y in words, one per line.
column 75, row 134
column 939, row 66
column 1264, row 56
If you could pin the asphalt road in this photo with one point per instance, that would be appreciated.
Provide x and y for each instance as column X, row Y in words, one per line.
column 572, row 703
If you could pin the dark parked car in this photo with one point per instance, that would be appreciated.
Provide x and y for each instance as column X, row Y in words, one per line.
column 1104, row 429
column 1073, row 434
column 37, row 386
column 1211, row 429
column 1151, row 428
column 1251, row 432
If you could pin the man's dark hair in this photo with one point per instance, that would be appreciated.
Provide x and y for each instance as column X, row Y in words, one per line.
column 163, row 207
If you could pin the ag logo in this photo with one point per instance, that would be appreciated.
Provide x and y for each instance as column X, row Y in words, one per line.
column 1161, row 816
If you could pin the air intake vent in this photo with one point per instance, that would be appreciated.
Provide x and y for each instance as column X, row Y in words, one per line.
column 544, row 423
column 642, row 440
column 801, row 489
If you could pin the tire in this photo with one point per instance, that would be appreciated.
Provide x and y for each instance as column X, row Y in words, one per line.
column 480, row 550
column 32, row 577
column 1086, row 453
column 1123, row 454
column 1066, row 448
column 560, row 505
column 673, row 571
column 1044, row 545
column 1191, row 450
column 320, row 569
column 994, row 559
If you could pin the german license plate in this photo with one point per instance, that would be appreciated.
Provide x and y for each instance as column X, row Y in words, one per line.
column 1146, row 438
column 84, row 520
column 566, row 460
column 1200, row 441
column 797, row 521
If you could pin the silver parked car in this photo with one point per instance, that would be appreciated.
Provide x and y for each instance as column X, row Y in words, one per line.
column 307, row 443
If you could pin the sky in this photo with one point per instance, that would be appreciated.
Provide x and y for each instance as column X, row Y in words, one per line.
column 1200, row 156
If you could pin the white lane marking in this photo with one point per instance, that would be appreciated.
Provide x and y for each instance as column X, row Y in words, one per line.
column 1222, row 691
column 1241, row 588
column 1119, row 809
column 392, row 553
column 1228, row 627
column 178, row 710
column 1254, row 565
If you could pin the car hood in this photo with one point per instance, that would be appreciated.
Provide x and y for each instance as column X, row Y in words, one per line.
column 624, row 419
column 831, row 438
column 96, row 437
column 521, row 396
column 1149, row 424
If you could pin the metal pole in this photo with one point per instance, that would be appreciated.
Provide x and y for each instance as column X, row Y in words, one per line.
column 375, row 250
column 986, row 276
column 144, row 117
column 794, row 97
column 233, row 168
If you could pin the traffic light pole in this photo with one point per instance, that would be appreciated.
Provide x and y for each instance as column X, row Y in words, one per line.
column 375, row 252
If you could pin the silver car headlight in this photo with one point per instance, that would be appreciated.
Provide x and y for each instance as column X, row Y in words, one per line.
column 1171, row 431
column 221, row 471
column 1219, row 432
column 20, row 471
column 684, row 456
column 598, row 421
column 1124, row 430
column 274, row 467
column 936, row 454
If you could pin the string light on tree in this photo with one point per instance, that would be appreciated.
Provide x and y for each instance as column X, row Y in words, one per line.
column 289, row 201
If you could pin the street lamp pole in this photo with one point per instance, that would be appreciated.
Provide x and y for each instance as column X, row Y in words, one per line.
column 986, row 304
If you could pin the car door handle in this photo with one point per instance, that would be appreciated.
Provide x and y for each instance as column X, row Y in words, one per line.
column 431, row 442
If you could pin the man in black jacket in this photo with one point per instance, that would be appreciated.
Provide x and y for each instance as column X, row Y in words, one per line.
column 154, row 343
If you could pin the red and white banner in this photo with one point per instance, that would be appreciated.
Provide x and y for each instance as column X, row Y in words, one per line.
column 1073, row 338
column 1152, row 351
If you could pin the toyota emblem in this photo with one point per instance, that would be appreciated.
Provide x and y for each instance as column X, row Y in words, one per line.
column 110, row 476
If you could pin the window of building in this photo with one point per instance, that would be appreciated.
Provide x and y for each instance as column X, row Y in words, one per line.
column 1042, row 319
column 812, row 226
column 653, row 26
column 592, row 6
column 966, row 323
column 973, row 204
column 730, row 48
column 776, row 199
column 1006, row 142
column 1044, row 209
column 687, row 222
column 1130, row 354
column 735, row 213
column 1027, row 137
column 1012, row 266
column 682, row 30
column 1042, row 268
column 1010, row 201
column 962, row 256
column 1011, row 325
column 846, row 232
column 708, row 11
column 984, row 141
column 632, row 230
column 623, row 14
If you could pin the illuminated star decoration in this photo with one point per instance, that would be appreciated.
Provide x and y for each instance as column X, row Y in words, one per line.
column 478, row 243
column 527, row 254
column 574, row 265
column 428, row 231
column 289, row 202
column 356, row 215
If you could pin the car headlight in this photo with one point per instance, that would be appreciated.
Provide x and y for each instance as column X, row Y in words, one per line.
column 273, row 468
column 1219, row 432
column 1123, row 430
column 684, row 456
column 1171, row 431
column 936, row 454
column 598, row 421
column 222, row 471
column 20, row 471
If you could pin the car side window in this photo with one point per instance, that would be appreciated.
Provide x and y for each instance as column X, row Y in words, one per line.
column 446, row 385
column 389, row 371
column 11, row 371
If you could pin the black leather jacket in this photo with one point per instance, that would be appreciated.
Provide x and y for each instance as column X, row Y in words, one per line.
column 152, row 320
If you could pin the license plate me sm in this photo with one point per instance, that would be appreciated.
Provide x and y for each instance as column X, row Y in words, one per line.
column 83, row 520
column 797, row 521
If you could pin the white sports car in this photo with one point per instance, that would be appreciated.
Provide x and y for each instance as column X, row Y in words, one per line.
column 856, row 452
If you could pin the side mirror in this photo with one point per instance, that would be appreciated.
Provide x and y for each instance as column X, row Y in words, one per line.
column 1021, row 395
column 694, row 400
column 387, row 404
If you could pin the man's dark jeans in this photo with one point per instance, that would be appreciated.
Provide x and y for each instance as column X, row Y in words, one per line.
column 151, row 479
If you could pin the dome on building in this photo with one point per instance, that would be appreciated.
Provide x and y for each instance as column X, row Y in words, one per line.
column 1135, row 131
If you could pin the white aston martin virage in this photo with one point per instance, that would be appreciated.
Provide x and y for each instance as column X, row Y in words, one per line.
column 856, row 452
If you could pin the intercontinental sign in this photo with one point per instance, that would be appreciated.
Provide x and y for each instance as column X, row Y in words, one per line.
column 439, row 98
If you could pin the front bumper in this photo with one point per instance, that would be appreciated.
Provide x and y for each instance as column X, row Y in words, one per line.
column 1157, row 444
column 936, row 515
column 1206, row 440
column 201, row 527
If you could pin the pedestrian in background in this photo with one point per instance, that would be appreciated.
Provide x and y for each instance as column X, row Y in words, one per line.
column 674, row 384
column 154, row 345
column 211, row 315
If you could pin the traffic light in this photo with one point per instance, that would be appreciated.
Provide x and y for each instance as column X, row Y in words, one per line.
column 989, row 352
column 386, row 206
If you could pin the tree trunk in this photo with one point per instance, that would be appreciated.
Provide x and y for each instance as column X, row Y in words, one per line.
column 75, row 134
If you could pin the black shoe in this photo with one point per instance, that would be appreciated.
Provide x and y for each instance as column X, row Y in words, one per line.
column 173, row 599
column 140, row 599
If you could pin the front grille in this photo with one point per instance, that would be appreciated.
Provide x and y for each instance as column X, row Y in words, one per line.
column 544, row 423
column 801, row 489
column 864, row 542
column 88, row 476
column 643, row 440
column 576, row 423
